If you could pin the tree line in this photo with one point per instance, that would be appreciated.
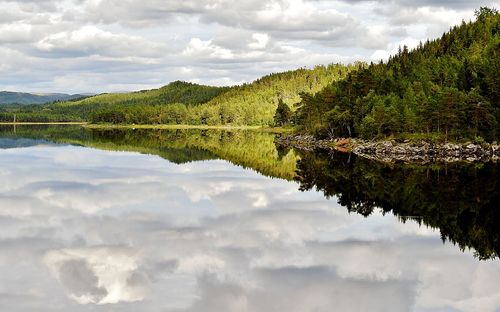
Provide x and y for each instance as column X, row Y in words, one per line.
column 186, row 103
column 449, row 87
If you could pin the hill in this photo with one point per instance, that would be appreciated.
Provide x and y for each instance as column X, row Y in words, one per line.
column 175, row 92
column 133, row 107
column 7, row 97
column 248, row 104
column 168, row 103
column 256, row 103
column 187, row 103
column 446, row 89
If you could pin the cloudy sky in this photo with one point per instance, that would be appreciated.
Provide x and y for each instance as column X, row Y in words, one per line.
column 119, row 45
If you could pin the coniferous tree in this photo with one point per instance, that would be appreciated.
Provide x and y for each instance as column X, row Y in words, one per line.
column 283, row 115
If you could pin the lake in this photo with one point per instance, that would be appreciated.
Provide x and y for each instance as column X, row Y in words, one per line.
column 211, row 220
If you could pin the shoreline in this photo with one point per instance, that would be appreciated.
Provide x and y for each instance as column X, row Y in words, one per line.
column 75, row 123
column 150, row 126
column 390, row 151
column 188, row 127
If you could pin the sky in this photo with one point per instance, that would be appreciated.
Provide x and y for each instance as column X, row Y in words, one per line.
column 76, row 46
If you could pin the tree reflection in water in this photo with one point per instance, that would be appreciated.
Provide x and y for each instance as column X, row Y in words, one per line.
column 460, row 199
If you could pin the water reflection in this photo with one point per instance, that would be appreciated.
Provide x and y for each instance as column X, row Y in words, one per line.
column 92, row 230
column 459, row 199
column 250, row 149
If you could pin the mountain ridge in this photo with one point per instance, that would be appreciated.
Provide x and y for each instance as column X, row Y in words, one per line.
column 28, row 98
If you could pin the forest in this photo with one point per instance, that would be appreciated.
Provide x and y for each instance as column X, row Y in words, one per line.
column 187, row 103
column 444, row 89
column 146, row 106
column 249, row 104
column 448, row 88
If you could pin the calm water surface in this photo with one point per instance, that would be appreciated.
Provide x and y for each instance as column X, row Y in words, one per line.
column 217, row 221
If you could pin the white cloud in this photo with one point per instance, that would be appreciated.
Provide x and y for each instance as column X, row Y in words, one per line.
column 117, row 45
column 98, row 275
column 90, row 40
column 260, row 41
column 393, row 48
column 198, row 48
column 16, row 33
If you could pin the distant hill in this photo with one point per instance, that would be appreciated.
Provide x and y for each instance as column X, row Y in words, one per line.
column 132, row 107
column 175, row 92
column 146, row 106
column 7, row 97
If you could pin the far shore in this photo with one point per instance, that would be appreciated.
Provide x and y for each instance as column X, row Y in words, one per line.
column 166, row 127
column 41, row 123
column 200, row 127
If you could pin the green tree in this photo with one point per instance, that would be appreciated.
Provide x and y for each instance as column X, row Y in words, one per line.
column 283, row 114
column 485, row 12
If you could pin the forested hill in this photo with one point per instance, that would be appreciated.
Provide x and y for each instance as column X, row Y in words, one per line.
column 248, row 104
column 133, row 107
column 448, row 88
column 147, row 106
column 175, row 92
column 186, row 103
column 256, row 103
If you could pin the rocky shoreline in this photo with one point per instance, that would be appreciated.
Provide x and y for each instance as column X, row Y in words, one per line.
column 392, row 151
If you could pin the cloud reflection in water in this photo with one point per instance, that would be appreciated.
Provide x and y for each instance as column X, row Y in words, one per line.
column 87, row 230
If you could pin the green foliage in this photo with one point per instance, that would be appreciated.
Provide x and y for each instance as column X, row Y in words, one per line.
column 283, row 115
column 485, row 12
column 175, row 92
column 449, row 86
column 168, row 104
column 186, row 103
column 256, row 103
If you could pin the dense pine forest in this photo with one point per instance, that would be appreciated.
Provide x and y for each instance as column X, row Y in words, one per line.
column 256, row 103
column 445, row 89
column 448, row 88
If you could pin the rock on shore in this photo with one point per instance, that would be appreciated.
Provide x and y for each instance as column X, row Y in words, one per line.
column 392, row 151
